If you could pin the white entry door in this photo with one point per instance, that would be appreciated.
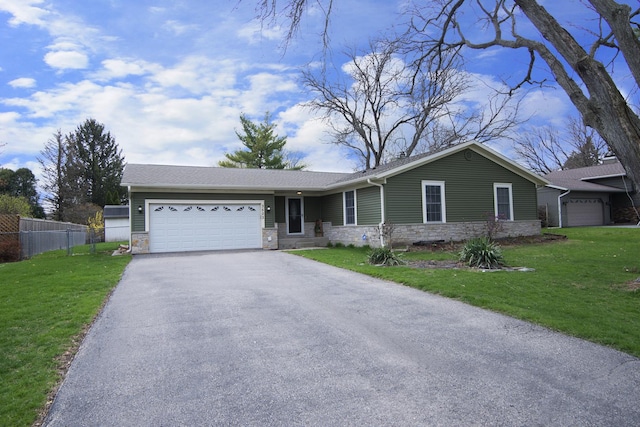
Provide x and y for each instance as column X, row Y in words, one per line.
column 179, row 227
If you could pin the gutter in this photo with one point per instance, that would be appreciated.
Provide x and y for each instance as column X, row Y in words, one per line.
column 382, row 210
column 560, row 207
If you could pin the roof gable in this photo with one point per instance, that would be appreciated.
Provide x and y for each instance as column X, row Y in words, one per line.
column 580, row 179
column 402, row 165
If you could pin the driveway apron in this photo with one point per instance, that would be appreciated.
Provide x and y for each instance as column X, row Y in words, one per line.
column 268, row 338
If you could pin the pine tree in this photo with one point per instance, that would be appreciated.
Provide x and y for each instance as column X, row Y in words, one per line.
column 265, row 148
column 94, row 164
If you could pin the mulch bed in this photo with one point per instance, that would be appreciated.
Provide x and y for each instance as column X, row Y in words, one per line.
column 441, row 246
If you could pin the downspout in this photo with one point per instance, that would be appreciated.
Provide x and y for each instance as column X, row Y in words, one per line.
column 382, row 210
column 560, row 207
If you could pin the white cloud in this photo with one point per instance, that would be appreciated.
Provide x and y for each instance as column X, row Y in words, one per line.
column 64, row 59
column 24, row 11
column 23, row 82
column 179, row 28
column 119, row 68
column 254, row 32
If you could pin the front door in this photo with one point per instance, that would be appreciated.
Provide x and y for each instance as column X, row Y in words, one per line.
column 295, row 216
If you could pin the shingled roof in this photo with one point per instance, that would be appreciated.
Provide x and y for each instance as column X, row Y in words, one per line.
column 196, row 177
column 162, row 176
column 579, row 179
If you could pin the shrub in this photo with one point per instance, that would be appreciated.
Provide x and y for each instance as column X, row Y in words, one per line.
column 9, row 249
column 385, row 256
column 482, row 252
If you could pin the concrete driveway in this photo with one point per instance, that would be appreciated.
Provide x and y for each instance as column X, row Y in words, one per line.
column 269, row 338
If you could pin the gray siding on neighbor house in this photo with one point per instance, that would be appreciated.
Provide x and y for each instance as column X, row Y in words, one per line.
column 468, row 190
column 137, row 220
column 548, row 203
column 332, row 209
column 368, row 206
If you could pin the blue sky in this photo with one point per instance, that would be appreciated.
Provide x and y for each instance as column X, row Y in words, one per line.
column 169, row 79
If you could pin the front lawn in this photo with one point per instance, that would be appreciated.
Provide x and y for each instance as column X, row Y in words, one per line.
column 45, row 303
column 584, row 286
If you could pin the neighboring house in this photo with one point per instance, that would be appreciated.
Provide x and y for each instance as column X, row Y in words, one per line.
column 446, row 195
column 594, row 195
column 116, row 223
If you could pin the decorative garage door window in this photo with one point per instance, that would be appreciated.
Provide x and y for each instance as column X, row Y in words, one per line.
column 176, row 227
column 201, row 209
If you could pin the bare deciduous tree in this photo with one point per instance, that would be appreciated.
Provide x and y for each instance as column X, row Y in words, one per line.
column 545, row 149
column 53, row 158
column 385, row 107
column 436, row 26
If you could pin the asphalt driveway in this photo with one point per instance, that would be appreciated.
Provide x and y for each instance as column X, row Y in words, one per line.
column 268, row 338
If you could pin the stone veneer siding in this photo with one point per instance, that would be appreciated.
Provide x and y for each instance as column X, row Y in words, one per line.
column 270, row 237
column 406, row 234
column 139, row 242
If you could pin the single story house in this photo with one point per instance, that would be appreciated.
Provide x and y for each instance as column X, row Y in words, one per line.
column 444, row 195
column 116, row 223
column 589, row 196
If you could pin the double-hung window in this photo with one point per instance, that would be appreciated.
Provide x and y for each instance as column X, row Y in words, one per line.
column 433, row 202
column 503, row 201
column 350, row 208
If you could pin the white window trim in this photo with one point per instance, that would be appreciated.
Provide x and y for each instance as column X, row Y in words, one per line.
column 355, row 207
column 508, row 185
column 424, row 201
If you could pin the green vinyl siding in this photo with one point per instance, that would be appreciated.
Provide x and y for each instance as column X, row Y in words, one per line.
column 138, row 199
column 332, row 209
column 468, row 190
column 312, row 209
column 281, row 211
column 368, row 200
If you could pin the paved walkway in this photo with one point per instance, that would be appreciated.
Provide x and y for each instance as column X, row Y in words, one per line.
column 269, row 338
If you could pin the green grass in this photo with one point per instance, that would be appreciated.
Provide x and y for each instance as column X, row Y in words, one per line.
column 45, row 303
column 581, row 286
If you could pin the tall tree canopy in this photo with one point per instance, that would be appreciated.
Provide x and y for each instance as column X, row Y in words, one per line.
column 95, row 164
column 53, row 158
column 264, row 148
column 381, row 105
column 584, row 71
column 22, row 184
column 546, row 149
column 82, row 172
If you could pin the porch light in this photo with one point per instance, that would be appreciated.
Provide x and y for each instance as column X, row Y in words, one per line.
column 139, row 209
column 268, row 208
column 299, row 193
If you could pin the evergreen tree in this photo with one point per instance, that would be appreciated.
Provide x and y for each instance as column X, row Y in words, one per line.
column 265, row 149
column 94, row 164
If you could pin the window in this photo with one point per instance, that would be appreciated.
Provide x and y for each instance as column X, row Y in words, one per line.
column 503, row 201
column 350, row 207
column 433, row 205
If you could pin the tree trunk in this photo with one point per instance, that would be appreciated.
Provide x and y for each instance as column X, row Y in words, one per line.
column 606, row 109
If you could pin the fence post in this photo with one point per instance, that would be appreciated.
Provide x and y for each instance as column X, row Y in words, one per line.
column 68, row 241
column 30, row 238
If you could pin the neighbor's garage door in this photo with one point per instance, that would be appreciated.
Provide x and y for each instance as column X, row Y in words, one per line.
column 202, row 227
column 583, row 212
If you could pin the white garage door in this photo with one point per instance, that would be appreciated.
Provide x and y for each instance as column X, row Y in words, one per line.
column 179, row 227
column 583, row 212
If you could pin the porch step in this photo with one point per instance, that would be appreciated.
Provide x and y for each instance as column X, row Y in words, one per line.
column 302, row 242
